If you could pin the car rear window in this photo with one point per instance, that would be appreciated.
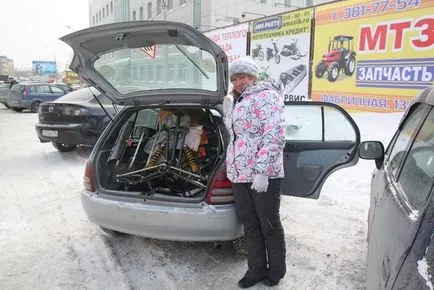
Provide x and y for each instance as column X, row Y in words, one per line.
column 17, row 89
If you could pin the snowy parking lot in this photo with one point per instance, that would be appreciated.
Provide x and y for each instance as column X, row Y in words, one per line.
column 46, row 241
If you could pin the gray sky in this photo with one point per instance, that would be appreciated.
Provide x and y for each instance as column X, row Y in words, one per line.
column 30, row 29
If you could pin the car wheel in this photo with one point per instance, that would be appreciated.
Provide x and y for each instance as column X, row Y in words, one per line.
column 7, row 106
column 35, row 107
column 18, row 109
column 240, row 245
column 63, row 147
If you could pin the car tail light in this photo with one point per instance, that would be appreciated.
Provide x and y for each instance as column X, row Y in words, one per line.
column 88, row 180
column 220, row 190
column 25, row 92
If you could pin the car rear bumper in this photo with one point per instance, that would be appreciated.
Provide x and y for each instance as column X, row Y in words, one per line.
column 18, row 103
column 70, row 134
column 194, row 222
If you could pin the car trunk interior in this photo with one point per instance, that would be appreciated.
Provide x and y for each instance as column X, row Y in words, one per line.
column 169, row 153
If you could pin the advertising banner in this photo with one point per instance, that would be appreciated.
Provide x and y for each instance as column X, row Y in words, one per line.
column 280, row 45
column 44, row 67
column 232, row 39
column 373, row 55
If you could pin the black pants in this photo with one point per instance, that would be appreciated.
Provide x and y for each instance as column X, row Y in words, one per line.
column 259, row 213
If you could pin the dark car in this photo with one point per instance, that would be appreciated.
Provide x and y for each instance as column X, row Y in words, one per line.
column 401, row 214
column 29, row 95
column 163, row 155
column 74, row 119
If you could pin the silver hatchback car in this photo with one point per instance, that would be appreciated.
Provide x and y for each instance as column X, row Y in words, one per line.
column 158, row 170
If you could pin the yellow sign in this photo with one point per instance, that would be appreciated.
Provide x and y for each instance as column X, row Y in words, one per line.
column 373, row 55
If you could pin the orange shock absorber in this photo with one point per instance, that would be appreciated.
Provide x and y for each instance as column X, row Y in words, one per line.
column 154, row 158
column 190, row 159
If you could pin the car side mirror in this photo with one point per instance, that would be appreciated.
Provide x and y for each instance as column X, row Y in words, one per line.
column 372, row 150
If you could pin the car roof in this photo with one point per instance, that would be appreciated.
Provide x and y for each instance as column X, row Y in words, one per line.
column 425, row 97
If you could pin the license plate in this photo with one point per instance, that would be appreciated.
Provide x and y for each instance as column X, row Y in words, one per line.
column 50, row 133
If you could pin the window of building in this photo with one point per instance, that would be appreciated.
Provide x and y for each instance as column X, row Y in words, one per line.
column 264, row 1
column 169, row 4
column 106, row 9
column 100, row 15
column 403, row 140
column 103, row 12
column 159, row 74
column 149, row 10
column 170, row 72
column 111, row 6
column 93, row 19
column 141, row 13
column 150, row 73
column 181, row 72
column 417, row 174
column 181, row 2
column 158, row 7
column 134, row 15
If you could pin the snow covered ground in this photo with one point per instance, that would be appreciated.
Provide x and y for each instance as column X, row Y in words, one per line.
column 46, row 241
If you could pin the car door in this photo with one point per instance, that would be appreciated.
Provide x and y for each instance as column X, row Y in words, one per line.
column 40, row 93
column 399, row 194
column 320, row 139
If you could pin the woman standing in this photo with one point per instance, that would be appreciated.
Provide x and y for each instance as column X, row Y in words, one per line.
column 253, row 115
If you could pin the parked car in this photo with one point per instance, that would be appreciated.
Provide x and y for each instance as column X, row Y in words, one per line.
column 401, row 213
column 4, row 89
column 64, row 87
column 77, row 118
column 141, row 179
column 29, row 95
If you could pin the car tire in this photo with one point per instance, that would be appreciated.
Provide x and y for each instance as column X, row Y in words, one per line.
column 7, row 106
column 18, row 109
column 35, row 106
column 240, row 245
column 63, row 147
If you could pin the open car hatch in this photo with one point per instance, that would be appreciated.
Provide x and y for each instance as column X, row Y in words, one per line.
column 150, row 62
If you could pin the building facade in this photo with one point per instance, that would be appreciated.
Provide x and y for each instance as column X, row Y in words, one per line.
column 202, row 14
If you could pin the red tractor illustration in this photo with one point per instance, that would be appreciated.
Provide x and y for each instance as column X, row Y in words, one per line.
column 340, row 55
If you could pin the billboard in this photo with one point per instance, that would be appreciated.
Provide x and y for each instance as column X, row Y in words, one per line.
column 233, row 40
column 280, row 45
column 373, row 55
column 44, row 67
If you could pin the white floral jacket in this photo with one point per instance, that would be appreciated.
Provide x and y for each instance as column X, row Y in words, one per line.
column 256, row 127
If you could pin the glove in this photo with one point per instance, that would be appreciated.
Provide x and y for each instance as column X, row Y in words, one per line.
column 260, row 183
column 228, row 102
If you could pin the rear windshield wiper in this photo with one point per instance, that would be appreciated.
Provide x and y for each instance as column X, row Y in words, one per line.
column 191, row 58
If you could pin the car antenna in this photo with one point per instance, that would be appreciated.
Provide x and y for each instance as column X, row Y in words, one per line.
column 105, row 111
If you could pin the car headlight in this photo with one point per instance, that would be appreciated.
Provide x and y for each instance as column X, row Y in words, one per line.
column 74, row 111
